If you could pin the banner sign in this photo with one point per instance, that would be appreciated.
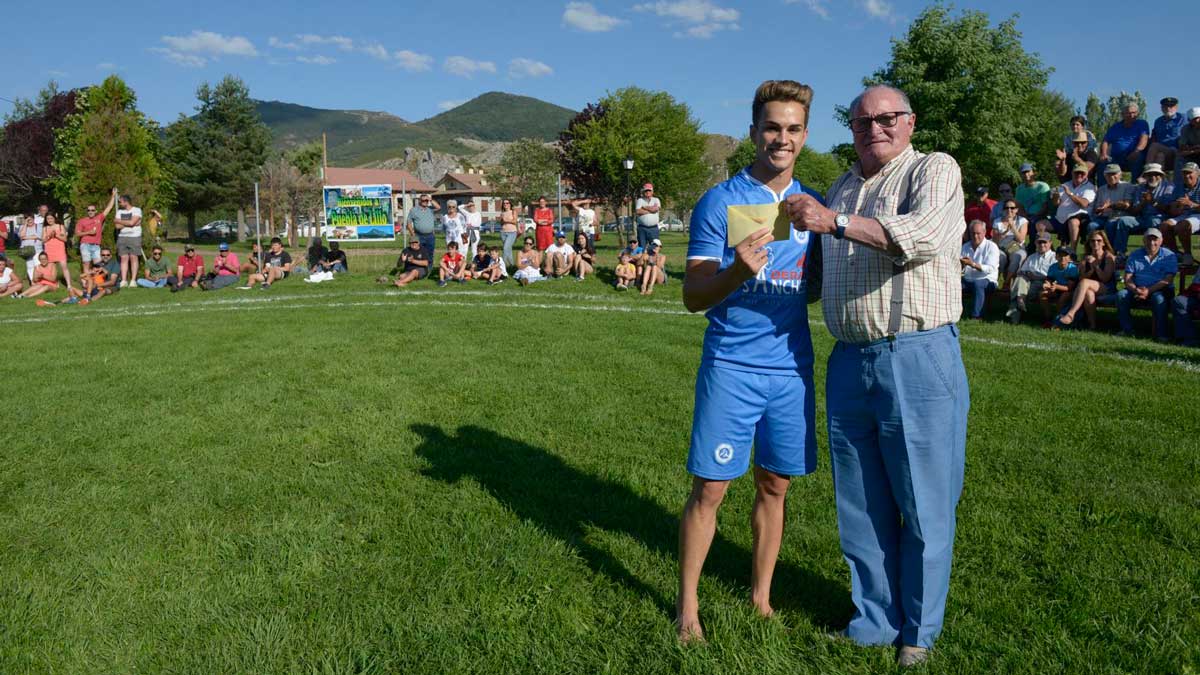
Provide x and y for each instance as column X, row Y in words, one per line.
column 354, row 212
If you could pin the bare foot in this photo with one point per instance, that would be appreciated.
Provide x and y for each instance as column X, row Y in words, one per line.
column 764, row 609
column 1066, row 318
column 688, row 630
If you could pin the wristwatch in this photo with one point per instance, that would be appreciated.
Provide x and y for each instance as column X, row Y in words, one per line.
column 840, row 223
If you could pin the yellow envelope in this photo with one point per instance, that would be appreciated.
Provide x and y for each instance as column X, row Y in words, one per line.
column 744, row 219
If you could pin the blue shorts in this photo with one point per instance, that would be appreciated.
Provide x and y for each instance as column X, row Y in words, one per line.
column 737, row 409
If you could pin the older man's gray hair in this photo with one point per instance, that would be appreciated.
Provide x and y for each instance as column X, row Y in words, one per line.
column 899, row 94
column 971, row 227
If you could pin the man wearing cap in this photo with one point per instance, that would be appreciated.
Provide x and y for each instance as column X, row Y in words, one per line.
column 1189, row 143
column 1031, row 278
column 1113, row 201
column 1164, row 139
column 1149, row 273
column 422, row 222
column 754, row 387
column 980, row 209
column 1126, row 141
column 557, row 259
column 1149, row 206
column 1184, row 209
column 648, row 207
column 226, row 269
column 1072, row 201
column 980, row 266
column 1064, row 167
column 1032, row 194
column 188, row 270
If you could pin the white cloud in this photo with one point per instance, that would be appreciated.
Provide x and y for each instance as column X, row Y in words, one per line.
column 448, row 105
column 282, row 44
column 879, row 9
column 528, row 68
column 694, row 18
column 206, row 43
column 340, row 41
column 815, row 6
column 412, row 61
column 376, row 51
column 106, row 66
column 319, row 60
column 465, row 67
column 189, row 60
column 584, row 16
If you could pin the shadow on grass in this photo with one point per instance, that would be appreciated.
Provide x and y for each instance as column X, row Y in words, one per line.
column 565, row 502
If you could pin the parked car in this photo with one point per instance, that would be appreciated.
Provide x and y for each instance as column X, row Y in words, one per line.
column 565, row 224
column 490, row 226
column 626, row 224
column 217, row 230
column 671, row 225
column 526, row 224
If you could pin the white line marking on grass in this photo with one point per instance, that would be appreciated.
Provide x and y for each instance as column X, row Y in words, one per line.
column 1161, row 360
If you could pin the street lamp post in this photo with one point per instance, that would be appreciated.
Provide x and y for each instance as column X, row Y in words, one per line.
column 628, row 164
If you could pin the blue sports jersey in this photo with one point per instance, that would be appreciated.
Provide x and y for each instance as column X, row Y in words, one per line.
column 761, row 327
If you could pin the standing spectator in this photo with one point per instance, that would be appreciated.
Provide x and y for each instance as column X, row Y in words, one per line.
column 1149, row 273
column 453, row 267
column 529, row 263
column 1184, row 210
column 45, row 278
column 129, row 239
column 654, row 267
column 335, row 259
column 1114, row 199
column 189, row 269
column 1189, row 143
column 1126, row 141
column 1150, row 201
column 277, row 265
column 585, row 219
column 3, row 236
column 508, row 228
column 413, row 263
column 151, row 225
column 1078, row 125
column 1009, row 232
column 54, row 243
column 980, row 209
column 226, row 269
column 1032, row 194
column 585, row 256
column 1030, row 278
column 1065, row 165
column 980, row 266
column 1164, row 139
column 473, row 230
column 648, row 207
column 422, row 223
column 559, row 258
column 454, row 222
column 31, row 243
column 1072, row 201
column 90, row 230
column 1097, row 280
column 1059, row 286
column 157, row 270
column 625, row 272
column 10, row 283
column 543, row 220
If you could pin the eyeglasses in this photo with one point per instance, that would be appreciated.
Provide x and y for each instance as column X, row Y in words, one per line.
column 1010, row 208
column 884, row 120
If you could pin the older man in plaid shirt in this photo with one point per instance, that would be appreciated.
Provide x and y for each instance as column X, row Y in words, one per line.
column 896, row 390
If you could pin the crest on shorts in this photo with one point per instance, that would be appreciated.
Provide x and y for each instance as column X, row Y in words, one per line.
column 723, row 454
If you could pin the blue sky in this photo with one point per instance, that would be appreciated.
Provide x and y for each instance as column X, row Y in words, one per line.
column 415, row 59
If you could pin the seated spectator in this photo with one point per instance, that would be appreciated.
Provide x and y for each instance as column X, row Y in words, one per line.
column 1097, row 280
column 157, row 271
column 316, row 255
column 1150, row 202
column 1114, row 198
column 654, row 267
column 45, row 277
column 226, row 270
column 1185, row 309
column 1149, row 274
column 636, row 255
column 1064, row 166
column 10, row 283
column 981, row 263
column 1189, row 143
column 413, row 263
column 558, row 257
column 1071, row 201
column 104, row 279
column 452, row 267
column 1009, row 232
column 529, row 261
column 486, row 265
column 1033, row 195
column 335, row 260
column 625, row 272
column 585, row 256
column 1184, row 209
column 1078, row 124
column 254, row 261
column 979, row 209
column 1059, row 286
column 189, row 270
column 30, row 233
column 1030, row 279
column 1164, row 138
column 1126, row 141
column 1005, row 193
column 277, row 265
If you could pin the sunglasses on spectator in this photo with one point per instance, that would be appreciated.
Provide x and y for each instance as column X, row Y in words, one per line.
column 1010, row 208
column 885, row 120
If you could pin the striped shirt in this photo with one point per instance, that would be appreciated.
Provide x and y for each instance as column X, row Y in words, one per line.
column 857, row 292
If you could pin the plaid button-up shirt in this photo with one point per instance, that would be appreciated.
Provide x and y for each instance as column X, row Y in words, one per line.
column 857, row 292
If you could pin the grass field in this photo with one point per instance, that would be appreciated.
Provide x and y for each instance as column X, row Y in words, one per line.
column 344, row 479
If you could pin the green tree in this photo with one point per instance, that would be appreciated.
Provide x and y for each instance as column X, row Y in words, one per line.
column 217, row 155
column 528, row 170
column 307, row 158
column 975, row 90
column 1101, row 116
column 816, row 170
column 651, row 128
column 109, row 143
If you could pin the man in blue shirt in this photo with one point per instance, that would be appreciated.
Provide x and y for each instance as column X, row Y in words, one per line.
column 1164, row 140
column 1184, row 209
column 1150, row 200
column 1148, row 277
column 1126, row 141
column 754, row 386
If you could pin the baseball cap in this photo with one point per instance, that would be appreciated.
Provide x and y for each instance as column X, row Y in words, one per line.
column 1190, row 167
column 1045, row 236
column 1063, row 250
column 1026, row 167
column 1153, row 232
column 1080, row 168
column 1193, row 113
column 647, row 186
column 222, row 246
column 657, row 243
column 189, row 247
column 560, row 233
column 1169, row 100
column 1112, row 168
column 1153, row 167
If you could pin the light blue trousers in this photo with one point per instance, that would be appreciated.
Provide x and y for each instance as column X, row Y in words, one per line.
column 897, row 436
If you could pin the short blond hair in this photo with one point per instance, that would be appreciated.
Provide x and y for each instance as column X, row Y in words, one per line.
column 781, row 90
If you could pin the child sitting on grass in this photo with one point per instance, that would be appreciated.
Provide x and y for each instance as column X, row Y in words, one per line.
column 625, row 272
column 452, row 267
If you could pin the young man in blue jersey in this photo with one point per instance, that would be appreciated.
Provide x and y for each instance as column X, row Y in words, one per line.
column 754, row 386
